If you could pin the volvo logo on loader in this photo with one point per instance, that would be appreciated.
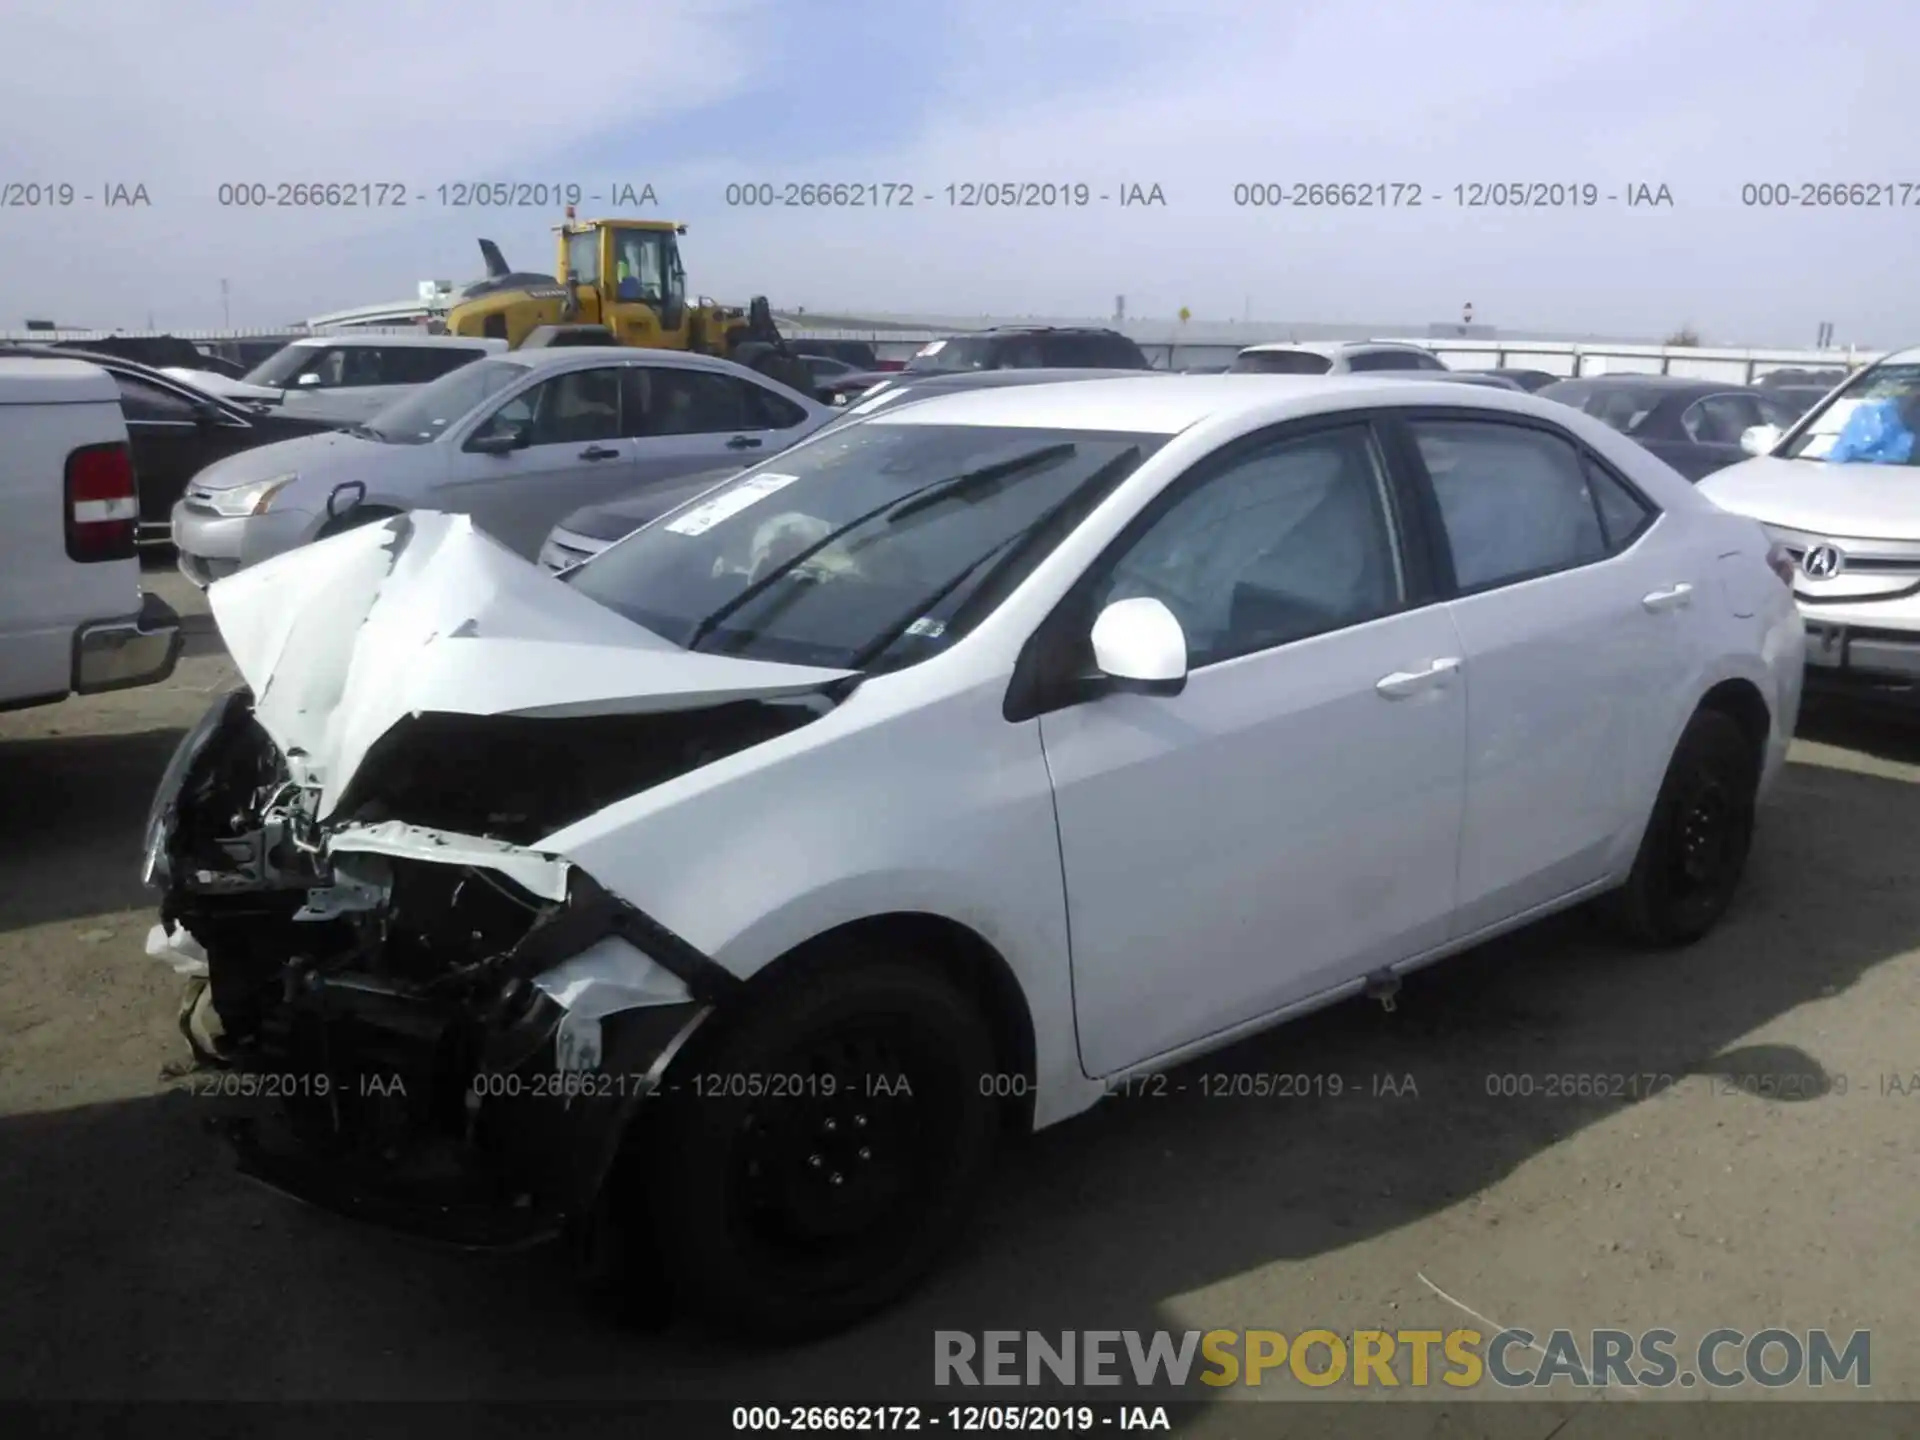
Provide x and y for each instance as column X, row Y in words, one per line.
column 1823, row 562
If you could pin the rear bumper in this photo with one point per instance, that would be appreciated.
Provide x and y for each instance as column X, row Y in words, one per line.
column 121, row 654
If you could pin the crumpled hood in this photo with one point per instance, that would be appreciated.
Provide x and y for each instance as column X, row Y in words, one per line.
column 422, row 613
column 1851, row 501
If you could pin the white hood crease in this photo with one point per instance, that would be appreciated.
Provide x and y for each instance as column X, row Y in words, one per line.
column 341, row 640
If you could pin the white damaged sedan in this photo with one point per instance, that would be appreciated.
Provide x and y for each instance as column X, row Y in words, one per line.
column 720, row 902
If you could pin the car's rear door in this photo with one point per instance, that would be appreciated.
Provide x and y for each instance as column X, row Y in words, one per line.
column 1574, row 605
column 684, row 420
column 1288, row 821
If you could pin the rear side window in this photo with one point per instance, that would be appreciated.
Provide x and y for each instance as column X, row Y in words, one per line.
column 1390, row 360
column 1279, row 362
column 1514, row 501
column 1624, row 516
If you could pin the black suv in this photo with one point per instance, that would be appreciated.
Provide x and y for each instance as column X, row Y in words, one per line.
column 1030, row 347
column 1006, row 347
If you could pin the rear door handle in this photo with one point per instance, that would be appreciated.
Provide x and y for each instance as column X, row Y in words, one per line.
column 1403, row 683
column 1671, row 599
column 744, row 442
column 599, row 452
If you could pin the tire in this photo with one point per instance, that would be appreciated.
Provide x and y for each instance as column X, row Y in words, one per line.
column 1697, row 841
column 356, row 517
column 755, row 1233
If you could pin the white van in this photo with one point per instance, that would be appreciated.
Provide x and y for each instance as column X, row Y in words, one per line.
column 347, row 376
column 73, row 619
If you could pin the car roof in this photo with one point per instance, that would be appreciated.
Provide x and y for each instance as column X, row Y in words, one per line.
column 1332, row 348
column 1165, row 404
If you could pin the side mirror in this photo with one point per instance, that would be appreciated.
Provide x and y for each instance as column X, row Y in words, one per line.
column 1138, row 645
column 500, row 442
column 310, row 378
column 1759, row 439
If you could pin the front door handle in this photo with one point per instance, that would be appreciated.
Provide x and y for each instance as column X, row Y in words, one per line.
column 744, row 442
column 1403, row 683
column 599, row 452
column 1671, row 599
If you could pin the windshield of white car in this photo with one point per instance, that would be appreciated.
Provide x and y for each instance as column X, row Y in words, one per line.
column 1899, row 384
column 423, row 415
column 866, row 549
column 1279, row 362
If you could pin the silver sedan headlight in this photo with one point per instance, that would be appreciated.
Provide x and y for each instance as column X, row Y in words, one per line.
column 253, row 498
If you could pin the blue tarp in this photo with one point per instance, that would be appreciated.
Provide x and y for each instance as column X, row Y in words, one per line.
column 1873, row 435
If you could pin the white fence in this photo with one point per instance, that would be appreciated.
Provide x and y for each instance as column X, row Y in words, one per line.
column 1555, row 357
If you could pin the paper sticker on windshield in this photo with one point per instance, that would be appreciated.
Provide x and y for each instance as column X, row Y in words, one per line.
column 703, row 517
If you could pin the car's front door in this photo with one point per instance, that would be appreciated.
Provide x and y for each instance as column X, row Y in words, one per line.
column 574, row 454
column 1290, row 819
column 1572, row 604
column 685, row 420
column 169, row 440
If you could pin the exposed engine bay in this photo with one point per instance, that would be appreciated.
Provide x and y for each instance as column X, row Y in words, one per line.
column 451, row 1032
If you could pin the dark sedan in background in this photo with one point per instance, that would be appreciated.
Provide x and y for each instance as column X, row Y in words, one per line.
column 1693, row 425
column 1532, row 381
column 586, row 532
column 176, row 431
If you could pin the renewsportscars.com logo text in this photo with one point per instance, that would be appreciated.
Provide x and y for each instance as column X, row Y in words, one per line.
column 1458, row 1359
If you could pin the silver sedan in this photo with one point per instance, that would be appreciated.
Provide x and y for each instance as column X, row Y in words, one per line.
column 516, row 441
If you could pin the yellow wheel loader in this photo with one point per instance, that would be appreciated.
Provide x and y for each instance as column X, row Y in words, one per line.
column 625, row 276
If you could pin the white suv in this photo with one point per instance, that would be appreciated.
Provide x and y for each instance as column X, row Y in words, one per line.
column 1837, row 490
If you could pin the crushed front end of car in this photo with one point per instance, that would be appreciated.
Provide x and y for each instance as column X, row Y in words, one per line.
column 422, row 1018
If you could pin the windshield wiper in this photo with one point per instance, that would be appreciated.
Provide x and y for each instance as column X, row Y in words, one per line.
column 900, row 505
column 364, row 432
column 1091, row 487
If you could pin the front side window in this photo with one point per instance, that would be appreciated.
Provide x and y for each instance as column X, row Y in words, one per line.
column 1287, row 543
column 1279, row 362
column 576, row 408
column 425, row 414
column 1514, row 501
column 864, row 548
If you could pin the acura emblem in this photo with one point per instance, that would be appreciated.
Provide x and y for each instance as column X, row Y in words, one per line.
column 1823, row 562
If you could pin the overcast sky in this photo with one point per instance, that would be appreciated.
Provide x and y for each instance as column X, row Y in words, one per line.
column 1193, row 96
